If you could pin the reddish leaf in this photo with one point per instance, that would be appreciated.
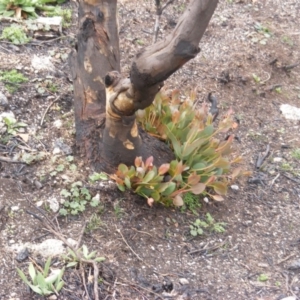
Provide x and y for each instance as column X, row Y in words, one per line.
column 163, row 169
column 138, row 161
column 149, row 162
column 198, row 188
column 177, row 201
column 217, row 197
column 193, row 178
column 150, row 201
column 236, row 172
column 220, row 187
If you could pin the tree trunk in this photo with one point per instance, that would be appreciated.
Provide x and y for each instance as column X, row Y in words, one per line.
column 106, row 130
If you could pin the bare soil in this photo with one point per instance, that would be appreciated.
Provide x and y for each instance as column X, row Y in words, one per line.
column 249, row 56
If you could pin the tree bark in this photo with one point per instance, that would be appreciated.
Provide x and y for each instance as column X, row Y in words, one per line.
column 97, row 55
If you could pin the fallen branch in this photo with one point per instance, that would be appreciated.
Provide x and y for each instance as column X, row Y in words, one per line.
column 11, row 161
column 262, row 157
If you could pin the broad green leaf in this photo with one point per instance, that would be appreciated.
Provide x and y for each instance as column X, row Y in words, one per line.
column 170, row 189
column 72, row 264
column 41, row 282
column 85, row 251
column 32, row 273
column 149, row 176
column 23, row 277
column 123, row 168
column 59, row 286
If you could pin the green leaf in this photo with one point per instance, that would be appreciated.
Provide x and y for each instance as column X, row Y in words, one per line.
column 99, row 259
column 23, row 277
column 72, row 264
column 63, row 212
column 65, row 193
column 97, row 176
column 170, row 189
column 32, row 273
column 59, row 286
column 193, row 232
column 47, row 267
column 219, row 187
column 41, row 282
column 85, row 251
column 149, row 176
column 91, row 255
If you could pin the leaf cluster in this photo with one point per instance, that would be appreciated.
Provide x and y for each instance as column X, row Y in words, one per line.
column 41, row 283
column 73, row 260
column 198, row 227
column 202, row 164
column 76, row 199
column 12, row 78
column 26, row 9
column 12, row 124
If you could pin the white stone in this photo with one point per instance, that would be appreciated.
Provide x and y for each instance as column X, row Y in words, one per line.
column 290, row 112
column 42, row 63
column 235, row 187
column 53, row 204
column 57, row 123
column 183, row 281
column 277, row 159
column 15, row 208
column 50, row 247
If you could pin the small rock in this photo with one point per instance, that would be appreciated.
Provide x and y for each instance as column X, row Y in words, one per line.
column 295, row 265
column 15, row 208
column 42, row 63
column 22, row 255
column 277, row 159
column 57, row 123
column 66, row 149
column 50, row 247
column 3, row 100
column 235, row 187
column 183, row 281
column 289, row 298
column 53, row 204
column 52, row 297
column 290, row 112
column 72, row 242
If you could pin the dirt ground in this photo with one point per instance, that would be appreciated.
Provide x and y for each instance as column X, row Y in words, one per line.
column 249, row 56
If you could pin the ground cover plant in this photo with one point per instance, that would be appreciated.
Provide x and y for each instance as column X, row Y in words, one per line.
column 203, row 162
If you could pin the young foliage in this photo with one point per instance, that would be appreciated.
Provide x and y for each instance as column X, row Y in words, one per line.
column 26, row 9
column 12, row 78
column 202, row 164
column 198, row 227
column 41, row 283
column 73, row 260
column 77, row 198
column 15, row 34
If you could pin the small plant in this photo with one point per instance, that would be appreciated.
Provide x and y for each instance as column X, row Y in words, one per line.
column 263, row 277
column 197, row 228
column 202, row 161
column 256, row 78
column 191, row 202
column 12, row 79
column 76, row 199
column 94, row 223
column 12, row 125
column 73, row 260
column 15, row 34
column 98, row 176
column 296, row 153
column 41, row 283
column 26, row 8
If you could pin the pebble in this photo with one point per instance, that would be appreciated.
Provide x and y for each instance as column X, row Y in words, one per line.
column 183, row 281
column 289, row 298
column 3, row 100
column 295, row 265
column 277, row 159
column 22, row 255
column 15, row 208
column 235, row 187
